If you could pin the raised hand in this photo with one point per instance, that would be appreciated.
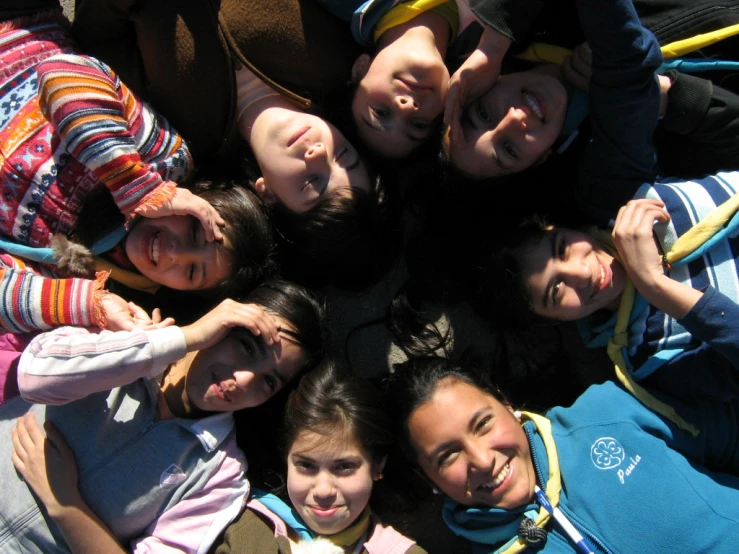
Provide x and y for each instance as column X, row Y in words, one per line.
column 213, row 326
column 475, row 76
column 185, row 202
column 578, row 67
column 127, row 316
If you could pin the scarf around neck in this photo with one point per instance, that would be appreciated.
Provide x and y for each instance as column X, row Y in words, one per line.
column 498, row 527
column 721, row 222
column 287, row 513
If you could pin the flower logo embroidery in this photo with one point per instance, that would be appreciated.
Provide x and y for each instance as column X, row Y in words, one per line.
column 607, row 453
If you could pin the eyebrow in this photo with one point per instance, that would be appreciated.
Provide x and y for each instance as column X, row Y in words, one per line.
column 553, row 253
column 470, row 426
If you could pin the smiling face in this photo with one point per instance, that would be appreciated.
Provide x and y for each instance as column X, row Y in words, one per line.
column 399, row 99
column 570, row 276
column 304, row 159
column 242, row 371
column 511, row 126
column 329, row 480
column 174, row 252
column 472, row 447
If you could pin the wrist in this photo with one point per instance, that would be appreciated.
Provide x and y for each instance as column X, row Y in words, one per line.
column 62, row 511
column 493, row 44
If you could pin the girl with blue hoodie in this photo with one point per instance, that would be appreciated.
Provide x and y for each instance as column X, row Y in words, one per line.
column 577, row 479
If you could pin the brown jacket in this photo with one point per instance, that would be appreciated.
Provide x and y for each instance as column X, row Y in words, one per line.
column 180, row 55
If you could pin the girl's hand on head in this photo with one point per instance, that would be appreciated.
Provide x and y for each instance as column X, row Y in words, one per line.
column 633, row 236
column 578, row 67
column 216, row 324
column 127, row 316
column 474, row 77
column 46, row 463
column 185, row 202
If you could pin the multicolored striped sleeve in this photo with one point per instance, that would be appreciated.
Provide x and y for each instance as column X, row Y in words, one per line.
column 104, row 126
column 31, row 301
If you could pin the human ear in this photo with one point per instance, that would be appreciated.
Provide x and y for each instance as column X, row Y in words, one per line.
column 361, row 67
column 263, row 192
column 378, row 468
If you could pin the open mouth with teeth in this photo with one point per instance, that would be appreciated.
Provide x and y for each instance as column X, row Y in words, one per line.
column 603, row 278
column 221, row 392
column 490, row 486
column 533, row 103
column 153, row 249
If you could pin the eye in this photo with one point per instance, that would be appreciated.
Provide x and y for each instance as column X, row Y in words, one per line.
column 341, row 153
column 304, row 466
column 191, row 272
column 555, row 293
column 446, row 458
column 380, row 111
column 345, row 468
column 271, row 382
column 484, row 424
column 248, row 346
column 510, row 149
column 482, row 113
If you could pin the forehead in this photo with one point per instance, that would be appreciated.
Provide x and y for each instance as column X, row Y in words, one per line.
column 447, row 413
column 340, row 443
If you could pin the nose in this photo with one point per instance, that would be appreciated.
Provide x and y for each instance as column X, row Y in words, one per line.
column 179, row 253
column 324, row 486
column 480, row 457
column 243, row 378
column 406, row 103
column 577, row 274
column 315, row 152
column 514, row 120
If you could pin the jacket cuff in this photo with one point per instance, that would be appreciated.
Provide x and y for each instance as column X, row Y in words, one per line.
column 512, row 18
column 688, row 101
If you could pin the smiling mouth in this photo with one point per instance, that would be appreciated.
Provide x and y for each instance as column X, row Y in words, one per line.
column 601, row 282
column 298, row 134
column 220, row 390
column 153, row 249
column 490, row 486
column 533, row 104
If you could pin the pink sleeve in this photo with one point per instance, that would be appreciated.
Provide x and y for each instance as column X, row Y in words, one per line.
column 69, row 363
column 193, row 524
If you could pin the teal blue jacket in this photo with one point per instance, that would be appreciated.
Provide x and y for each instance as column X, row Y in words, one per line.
column 631, row 480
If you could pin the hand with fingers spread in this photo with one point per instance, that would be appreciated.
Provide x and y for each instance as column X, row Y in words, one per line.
column 634, row 239
column 578, row 67
column 185, row 202
column 46, row 463
column 474, row 77
column 213, row 326
column 127, row 316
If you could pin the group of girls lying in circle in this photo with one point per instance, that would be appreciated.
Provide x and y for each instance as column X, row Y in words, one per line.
column 120, row 421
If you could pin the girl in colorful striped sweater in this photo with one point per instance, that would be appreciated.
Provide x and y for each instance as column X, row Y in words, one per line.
column 71, row 131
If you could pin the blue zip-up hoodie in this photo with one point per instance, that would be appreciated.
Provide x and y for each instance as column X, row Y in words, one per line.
column 631, row 480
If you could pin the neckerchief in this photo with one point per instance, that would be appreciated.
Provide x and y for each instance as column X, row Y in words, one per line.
column 496, row 526
column 686, row 248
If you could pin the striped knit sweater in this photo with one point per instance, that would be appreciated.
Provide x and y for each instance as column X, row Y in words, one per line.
column 67, row 123
column 32, row 298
